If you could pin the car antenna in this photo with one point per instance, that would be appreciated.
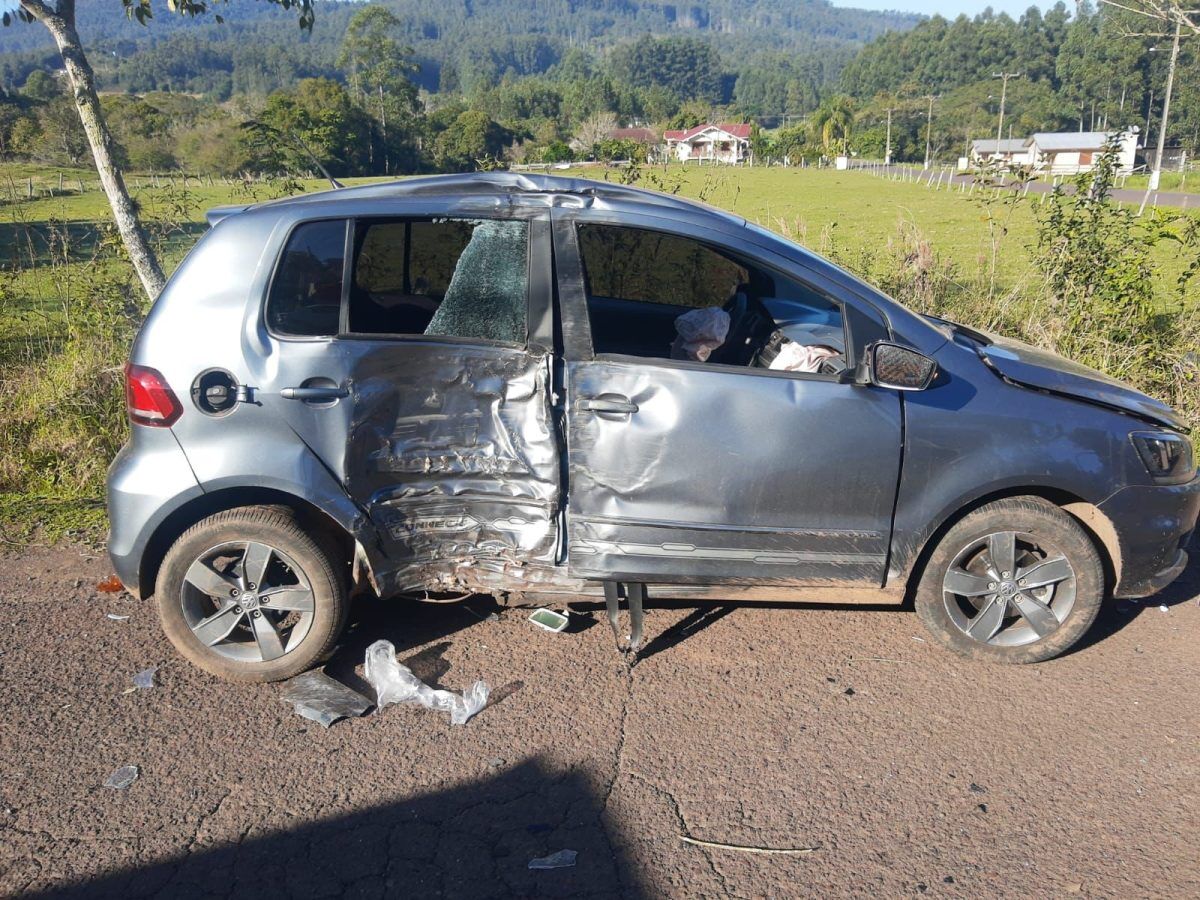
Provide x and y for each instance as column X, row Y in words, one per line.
column 316, row 162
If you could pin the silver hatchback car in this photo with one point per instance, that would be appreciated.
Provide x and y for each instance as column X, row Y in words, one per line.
column 545, row 388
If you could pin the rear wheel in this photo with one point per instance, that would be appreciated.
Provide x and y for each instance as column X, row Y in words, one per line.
column 248, row 595
column 1016, row 581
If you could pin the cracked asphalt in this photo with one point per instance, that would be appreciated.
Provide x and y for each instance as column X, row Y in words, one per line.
column 906, row 770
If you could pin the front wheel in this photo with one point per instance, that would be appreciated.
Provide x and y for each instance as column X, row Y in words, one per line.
column 1015, row 581
column 248, row 595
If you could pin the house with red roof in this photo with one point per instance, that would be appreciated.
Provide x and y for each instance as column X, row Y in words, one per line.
column 725, row 143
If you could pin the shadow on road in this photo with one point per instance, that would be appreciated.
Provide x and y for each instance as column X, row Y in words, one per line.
column 475, row 840
column 1116, row 614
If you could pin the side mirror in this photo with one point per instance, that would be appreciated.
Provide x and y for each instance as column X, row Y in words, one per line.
column 899, row 368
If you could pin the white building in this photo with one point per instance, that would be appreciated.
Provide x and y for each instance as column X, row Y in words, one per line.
column 716, row 143
column 1010, row 152
column 1070, row 153
column 1057, row 153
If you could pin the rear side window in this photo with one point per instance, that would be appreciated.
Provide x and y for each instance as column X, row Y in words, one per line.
column 306, row 293
column 454, row 277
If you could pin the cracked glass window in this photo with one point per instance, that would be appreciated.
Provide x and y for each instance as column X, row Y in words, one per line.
column 450, row 277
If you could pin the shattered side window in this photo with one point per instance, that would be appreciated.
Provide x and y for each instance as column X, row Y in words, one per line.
column 306, row 292
column 447, row 276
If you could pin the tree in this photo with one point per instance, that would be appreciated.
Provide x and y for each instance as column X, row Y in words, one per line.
column 58, row 16
column 833, row 122
column 689, row 68
column 471, row 139
column 378, row 68
column 595, row 129
column 318, row 123
column 1161, row 16
column 41, row 85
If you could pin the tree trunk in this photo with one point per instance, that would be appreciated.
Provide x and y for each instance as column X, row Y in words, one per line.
column 83, row 84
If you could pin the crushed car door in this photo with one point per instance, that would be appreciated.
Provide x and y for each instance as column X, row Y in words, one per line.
column 433, row 404
column 692, row 472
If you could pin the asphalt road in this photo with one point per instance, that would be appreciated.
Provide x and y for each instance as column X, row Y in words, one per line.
column 906, row 770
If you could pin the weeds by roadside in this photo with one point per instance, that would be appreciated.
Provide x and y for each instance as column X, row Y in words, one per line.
column 62, row 408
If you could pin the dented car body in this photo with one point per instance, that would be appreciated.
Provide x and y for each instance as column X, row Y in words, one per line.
column 468, row 382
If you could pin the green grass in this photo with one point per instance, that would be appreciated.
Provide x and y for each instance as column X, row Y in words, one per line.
column 826, row 210
column 855, row 212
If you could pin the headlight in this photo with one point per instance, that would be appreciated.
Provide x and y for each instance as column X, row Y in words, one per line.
column 1167, row 456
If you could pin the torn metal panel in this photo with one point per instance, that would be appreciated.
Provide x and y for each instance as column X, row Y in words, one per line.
column 720, row 473
column 453, row 454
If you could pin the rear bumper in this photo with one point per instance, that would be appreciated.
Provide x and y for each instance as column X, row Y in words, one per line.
column 1154, row 525
column 149, row 477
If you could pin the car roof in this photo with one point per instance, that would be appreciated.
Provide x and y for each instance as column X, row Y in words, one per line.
column 530, row 187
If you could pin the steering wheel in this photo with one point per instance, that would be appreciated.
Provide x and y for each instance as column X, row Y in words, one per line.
column 734, row 351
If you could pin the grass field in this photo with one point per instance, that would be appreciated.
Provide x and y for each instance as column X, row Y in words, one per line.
column 846, row 213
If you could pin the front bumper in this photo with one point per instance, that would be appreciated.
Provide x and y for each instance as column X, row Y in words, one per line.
column 1154, row 524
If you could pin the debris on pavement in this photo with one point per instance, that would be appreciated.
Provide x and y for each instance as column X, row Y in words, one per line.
column 117, row 618
column 122, row 778
column 1164, row 608
column 145, row 678
column 322, row 699
column 549, row 619
column 110, row 585
column 561, row 860
column 745, row 848
column 856, row 659
column 395, row 683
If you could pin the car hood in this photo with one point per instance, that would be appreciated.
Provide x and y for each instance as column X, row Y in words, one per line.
column 1036, row 368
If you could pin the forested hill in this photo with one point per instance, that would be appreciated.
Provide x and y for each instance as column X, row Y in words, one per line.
column 459, row 44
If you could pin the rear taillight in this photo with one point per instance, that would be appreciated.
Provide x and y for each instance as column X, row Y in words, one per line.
column 148, row 398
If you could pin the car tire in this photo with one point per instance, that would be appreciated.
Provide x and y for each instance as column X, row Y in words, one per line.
column 204, row 589
column 972, row 603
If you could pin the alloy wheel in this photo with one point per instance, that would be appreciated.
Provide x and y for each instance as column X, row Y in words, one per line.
column 1009, row 589
column 247, row 601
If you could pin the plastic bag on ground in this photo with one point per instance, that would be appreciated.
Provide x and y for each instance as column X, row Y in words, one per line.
column 700, row 332
column 395, row 683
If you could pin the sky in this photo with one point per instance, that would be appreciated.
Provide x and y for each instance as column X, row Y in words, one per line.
column 949, row 8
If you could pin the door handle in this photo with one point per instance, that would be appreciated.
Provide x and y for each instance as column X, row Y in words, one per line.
column 609, row 403
column 314, row 394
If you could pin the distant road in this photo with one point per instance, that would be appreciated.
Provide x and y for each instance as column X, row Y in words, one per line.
column 1125, row 195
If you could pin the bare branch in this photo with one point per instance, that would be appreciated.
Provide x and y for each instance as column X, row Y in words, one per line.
column 37, row 9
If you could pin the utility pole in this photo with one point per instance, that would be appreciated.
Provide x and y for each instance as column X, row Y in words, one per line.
column 1156, row 175
column 1004, row 76
column 929, row 132
column 887, row 150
